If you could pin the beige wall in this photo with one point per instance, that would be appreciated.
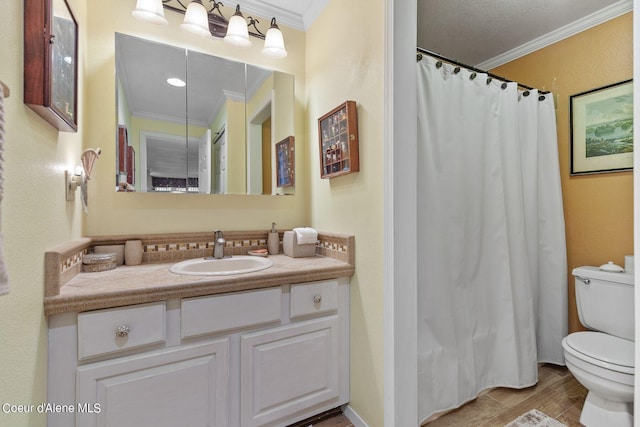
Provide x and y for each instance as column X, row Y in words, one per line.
column 345, row 61
column 598, row 209
column 130, row 213
column 35, row 217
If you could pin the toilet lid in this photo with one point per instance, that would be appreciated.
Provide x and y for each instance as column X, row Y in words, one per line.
column 607, row 348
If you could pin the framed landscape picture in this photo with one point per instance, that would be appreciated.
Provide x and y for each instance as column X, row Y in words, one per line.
column 602, row 129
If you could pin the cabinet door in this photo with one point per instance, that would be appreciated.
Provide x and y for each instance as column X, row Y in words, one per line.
column 185, row 386
column 290, row 372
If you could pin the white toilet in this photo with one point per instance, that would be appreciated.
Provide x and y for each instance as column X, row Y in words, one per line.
column 602, row 359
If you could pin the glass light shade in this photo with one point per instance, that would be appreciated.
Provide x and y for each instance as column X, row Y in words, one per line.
column 274, row 43
column 238, row 32
column 150, row 11
column 196, row 20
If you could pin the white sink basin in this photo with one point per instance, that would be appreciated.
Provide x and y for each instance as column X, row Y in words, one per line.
column 221, row 267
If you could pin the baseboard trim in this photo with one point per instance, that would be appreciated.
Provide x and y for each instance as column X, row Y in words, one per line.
column 353, row 417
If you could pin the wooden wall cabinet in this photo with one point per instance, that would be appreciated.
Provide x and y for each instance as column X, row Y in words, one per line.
column 50, row 62
column 338, row 140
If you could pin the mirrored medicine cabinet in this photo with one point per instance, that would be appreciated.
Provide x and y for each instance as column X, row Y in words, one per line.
column 189, row 122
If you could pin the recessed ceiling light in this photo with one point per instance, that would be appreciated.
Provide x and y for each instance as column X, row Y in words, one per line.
column 174, row 81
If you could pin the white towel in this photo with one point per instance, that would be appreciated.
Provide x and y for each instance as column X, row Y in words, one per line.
column 306, row 235
column 4, row 279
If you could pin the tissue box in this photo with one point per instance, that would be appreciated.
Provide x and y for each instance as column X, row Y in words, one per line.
column 293, row 249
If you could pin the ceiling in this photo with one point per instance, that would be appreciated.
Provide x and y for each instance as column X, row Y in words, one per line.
column 488, row 33
column 482, row 33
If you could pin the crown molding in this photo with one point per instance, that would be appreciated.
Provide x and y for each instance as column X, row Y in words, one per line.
column 603, row 15
column 314, row 10
column 263, row 10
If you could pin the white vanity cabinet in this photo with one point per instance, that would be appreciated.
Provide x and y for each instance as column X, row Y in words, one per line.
column 289, row 369
column 184, row 385
column 262, row 357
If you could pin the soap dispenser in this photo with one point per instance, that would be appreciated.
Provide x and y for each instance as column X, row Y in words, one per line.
column 273, row 241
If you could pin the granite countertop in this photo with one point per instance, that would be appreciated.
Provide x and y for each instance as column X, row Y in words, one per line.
column 128, row 285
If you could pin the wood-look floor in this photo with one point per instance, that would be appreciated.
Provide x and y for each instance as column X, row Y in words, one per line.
column 557, row 394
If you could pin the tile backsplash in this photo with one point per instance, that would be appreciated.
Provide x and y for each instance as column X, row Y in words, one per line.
column 64, row 262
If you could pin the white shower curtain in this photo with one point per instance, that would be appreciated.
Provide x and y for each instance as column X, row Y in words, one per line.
column 492, row 285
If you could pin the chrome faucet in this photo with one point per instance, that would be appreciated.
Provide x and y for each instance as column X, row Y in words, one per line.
column 218, row 246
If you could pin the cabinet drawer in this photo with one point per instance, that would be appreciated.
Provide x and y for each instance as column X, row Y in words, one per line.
column 206, row 315
column 113, row 330
column 314, row 298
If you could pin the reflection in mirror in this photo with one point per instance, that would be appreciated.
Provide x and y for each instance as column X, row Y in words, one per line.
column 213, row 133
column 151, row 115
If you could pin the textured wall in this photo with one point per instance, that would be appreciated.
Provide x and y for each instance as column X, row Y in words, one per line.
column 35, row 217
column 345, row 61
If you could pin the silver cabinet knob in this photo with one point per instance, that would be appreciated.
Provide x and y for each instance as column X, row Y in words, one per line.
column 122, row 331
column 317, row 298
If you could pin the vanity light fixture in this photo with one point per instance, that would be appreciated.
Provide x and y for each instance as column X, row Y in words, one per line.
column 212, row 23
column 273, row 42
column 196, row 20
column 82, row 174
column 150, row 11
column 238, row 31
column 73, row 181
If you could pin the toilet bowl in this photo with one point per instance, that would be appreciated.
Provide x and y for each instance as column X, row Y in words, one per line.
column 602, row 359
column 604, row 365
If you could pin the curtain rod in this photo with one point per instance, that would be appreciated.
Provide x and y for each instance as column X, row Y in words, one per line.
column 472, row 68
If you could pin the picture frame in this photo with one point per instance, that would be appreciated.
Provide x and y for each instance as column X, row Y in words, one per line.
column 285, row 162
column 338, row 141
column 602, row 129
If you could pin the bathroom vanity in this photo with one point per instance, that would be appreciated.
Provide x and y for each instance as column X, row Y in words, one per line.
column 267, row 348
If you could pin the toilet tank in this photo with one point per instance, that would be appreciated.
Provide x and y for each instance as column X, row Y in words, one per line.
column 605, row 301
